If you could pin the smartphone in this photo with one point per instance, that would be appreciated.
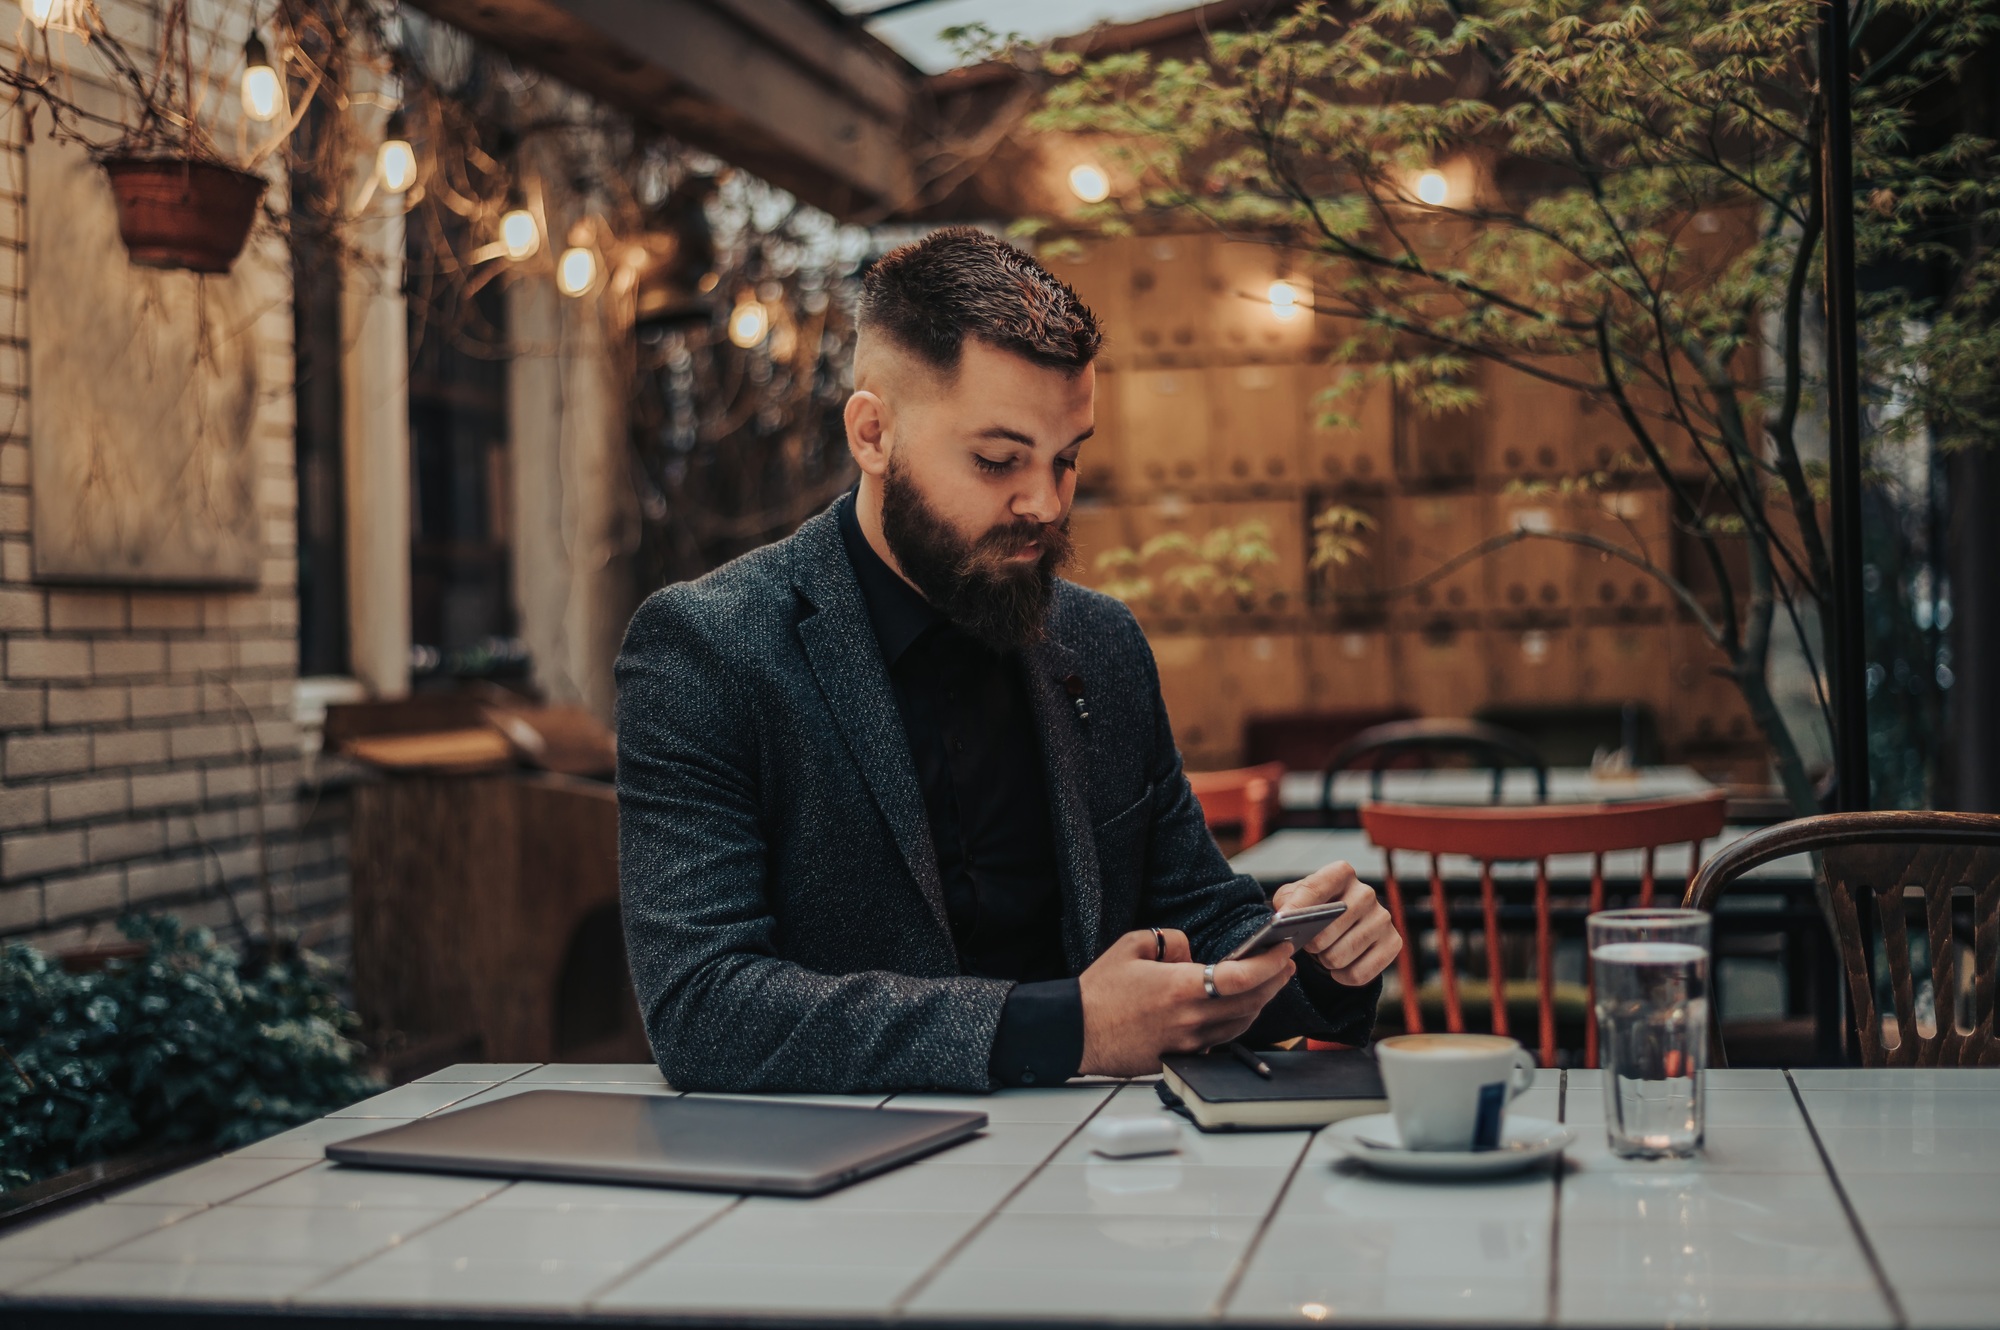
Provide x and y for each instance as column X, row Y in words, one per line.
column 1293, row 926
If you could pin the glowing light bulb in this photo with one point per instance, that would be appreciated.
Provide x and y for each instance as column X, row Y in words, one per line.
column 1089, row 183
column 396, row 164
column 519, row 236
column 1433, row 189
column 748, row 324
column 576, row 271
column 260, row 81
column 1284, row 298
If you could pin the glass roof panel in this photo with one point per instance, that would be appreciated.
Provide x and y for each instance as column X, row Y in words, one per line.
column 914, row 30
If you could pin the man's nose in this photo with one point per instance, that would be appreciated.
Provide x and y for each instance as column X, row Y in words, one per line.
column 1040, row 502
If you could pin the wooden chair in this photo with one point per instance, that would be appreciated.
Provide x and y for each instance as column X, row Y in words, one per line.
column 1245, row 798
column 1417, row 742
column 1524, row 833
column 1933, row 865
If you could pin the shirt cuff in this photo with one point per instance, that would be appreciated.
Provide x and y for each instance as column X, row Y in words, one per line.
column 1040, row 1039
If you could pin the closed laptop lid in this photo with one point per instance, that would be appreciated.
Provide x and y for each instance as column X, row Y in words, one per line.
column 744, row 1145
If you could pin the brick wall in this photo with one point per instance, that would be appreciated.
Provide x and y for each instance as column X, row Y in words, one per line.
column 148, row 759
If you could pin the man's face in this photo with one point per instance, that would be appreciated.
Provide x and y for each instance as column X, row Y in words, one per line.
column 976, row 492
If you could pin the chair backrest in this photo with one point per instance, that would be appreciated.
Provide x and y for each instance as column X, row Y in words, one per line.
column 1524, row 833
column 1246, row 797
column 1377, row 747
column 1934, row 862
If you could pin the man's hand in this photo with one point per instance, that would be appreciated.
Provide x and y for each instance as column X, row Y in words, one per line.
column 1136, row 1008
column 1361, row 943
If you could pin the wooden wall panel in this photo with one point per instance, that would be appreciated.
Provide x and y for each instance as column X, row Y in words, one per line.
column 1442, row 670
column 1167, row 429
column 1427, row 532
column 1258, row 415
column 1361, row 453
column 1350, row 671
column 1534, row 575
column 1171, row 302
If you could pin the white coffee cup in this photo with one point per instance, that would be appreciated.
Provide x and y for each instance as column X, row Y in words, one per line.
column 1450, row 1091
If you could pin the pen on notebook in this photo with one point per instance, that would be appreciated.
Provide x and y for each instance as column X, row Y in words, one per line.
column 1249, row 1059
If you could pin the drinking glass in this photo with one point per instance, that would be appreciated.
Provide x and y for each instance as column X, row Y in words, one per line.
column 1650, row 968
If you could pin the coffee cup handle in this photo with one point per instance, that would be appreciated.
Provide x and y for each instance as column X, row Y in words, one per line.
column 1522, row 1078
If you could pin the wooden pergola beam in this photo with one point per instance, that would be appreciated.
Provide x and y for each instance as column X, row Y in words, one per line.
column 787, row 89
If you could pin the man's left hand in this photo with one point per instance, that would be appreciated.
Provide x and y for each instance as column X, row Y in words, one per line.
column 1359, row 945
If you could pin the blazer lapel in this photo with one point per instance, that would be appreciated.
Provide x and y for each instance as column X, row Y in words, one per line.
column 847, row 665
column 1063, row 763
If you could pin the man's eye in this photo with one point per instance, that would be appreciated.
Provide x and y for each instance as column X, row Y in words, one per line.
column 1065, row 464
column 987, row 464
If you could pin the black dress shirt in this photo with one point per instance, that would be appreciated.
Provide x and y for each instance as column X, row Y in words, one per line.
column 972, row 735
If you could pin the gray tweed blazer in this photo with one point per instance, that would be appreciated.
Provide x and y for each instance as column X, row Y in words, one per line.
column 783, row 914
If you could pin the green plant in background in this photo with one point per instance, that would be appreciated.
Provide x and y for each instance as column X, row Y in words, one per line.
column 187, row 1044
column 1221, row 564
column 1623, row 201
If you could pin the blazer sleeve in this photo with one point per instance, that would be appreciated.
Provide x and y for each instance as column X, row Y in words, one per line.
column 722, row 1010
column 1190, row 886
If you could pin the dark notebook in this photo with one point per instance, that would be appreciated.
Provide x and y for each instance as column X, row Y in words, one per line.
column 1306, row 1089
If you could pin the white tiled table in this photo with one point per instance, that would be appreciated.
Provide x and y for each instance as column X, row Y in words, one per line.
column 1854, row 1199
column 1300, row 791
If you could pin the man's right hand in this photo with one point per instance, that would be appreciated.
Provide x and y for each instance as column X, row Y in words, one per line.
column 1136, row 1008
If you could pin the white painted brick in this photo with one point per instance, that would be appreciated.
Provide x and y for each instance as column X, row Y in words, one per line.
column 32, row 658
column 102, row 892
column 161, row 610
column 20, row 908
column 17, row 561
column 269, row 653
column 33, row 854
column 32, row 755
column 86, row 610
column 86, row 706
column 188, row 742
column 14, row 464
column 129, row 748
column 128, row 656
column 157, row 701
column 96, row 796
column 166, row 877
column 23, row 806
column 192, row 657
column 22, row 610
column 22, row 707
column 167, row 789
column 113, row 841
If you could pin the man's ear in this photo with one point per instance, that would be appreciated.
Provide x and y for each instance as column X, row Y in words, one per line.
column 867, row 420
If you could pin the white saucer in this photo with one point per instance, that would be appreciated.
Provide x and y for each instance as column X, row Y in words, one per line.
column 1373, row 1142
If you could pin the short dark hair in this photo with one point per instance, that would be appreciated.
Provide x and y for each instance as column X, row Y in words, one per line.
column 930, row 295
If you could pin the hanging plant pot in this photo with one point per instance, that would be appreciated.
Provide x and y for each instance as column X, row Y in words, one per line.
column 178, row 213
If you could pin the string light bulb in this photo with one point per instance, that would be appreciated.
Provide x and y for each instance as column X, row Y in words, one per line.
column 1088, row 182
column 1284, row 298
column 749, row 323
column 519, row 236
column 576, row 271
column 395, row 160
column 260, row 81
column 1432, row 188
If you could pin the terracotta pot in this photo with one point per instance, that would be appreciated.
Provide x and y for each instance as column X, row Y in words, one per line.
column 177, row 213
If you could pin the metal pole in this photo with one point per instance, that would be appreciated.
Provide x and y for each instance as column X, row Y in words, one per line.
column 1848, row 652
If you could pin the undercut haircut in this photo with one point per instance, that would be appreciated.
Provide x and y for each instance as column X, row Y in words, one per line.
column 928, row 296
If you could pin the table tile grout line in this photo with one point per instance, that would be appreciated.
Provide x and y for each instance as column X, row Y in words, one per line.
column 473, row 1204
column 1241, row 1266
column 923, row 1281
column 1889, row 1294
column 590, row 1300
column 1556, row 1208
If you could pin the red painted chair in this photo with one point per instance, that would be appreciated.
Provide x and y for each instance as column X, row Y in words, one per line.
column 1245, row 798
column 1520, row 833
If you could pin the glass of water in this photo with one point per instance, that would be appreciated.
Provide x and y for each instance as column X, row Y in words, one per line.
column 1650, row 968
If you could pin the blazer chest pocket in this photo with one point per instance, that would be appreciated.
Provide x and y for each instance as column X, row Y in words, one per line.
column 1121, row 849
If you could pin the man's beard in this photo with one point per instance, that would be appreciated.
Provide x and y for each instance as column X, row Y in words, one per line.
column 1001, row 601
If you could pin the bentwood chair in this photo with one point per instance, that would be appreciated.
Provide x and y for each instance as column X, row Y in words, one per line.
column 1878, row 875
column 1245, row 798
column 1420, row 743
column 1512, row 834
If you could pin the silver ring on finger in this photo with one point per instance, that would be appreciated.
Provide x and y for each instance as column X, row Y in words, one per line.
column 1208, row 981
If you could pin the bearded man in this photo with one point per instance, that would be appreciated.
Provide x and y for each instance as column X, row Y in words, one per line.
column 900, row 809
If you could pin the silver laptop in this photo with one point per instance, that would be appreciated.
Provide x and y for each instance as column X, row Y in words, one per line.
column 740, row 1145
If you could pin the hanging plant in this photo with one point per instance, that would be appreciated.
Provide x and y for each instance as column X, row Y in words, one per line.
column 182, row 203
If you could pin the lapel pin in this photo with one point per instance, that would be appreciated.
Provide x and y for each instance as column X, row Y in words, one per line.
column 1073, row 685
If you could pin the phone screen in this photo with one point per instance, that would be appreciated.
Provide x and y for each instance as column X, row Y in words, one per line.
column 1293, row 926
